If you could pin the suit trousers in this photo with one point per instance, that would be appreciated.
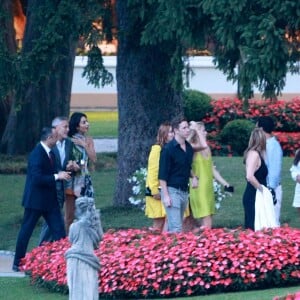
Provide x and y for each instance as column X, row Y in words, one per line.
column 53, row 219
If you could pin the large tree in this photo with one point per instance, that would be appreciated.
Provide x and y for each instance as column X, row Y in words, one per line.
column 147, row 96
column 254, row 42
column 153, row 37
column 38, row 78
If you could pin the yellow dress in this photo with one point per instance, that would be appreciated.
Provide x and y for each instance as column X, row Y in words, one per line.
column 154, row 208
column 202, row 199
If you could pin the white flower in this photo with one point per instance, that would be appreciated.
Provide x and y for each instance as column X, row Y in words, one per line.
column 138, row 180
column 219, row 194
column 136, row 189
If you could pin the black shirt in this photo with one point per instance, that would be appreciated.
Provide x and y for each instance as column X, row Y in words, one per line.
column 175, row 165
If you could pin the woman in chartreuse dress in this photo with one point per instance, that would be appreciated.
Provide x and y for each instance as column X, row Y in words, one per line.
column 202, row 199
column 154, row 207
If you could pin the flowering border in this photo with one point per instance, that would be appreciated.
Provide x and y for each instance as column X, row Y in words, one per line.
column 142, row 263
column 227, row 109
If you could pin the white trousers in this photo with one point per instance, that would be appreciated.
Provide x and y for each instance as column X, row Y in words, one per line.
column 277, row 207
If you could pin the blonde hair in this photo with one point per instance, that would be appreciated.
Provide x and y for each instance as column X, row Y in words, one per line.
column 193, row 137
column 257, row 142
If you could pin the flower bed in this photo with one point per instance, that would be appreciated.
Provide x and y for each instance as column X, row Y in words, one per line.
column 295, row 296
column 141, row 263
column 286, row 113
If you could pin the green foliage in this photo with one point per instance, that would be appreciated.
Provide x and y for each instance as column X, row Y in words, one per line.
column 13, row 164
column 251, row 35
column 247, row 37
column 95, row 70
column 196, row 105
column 236, row 134
column 61, row 24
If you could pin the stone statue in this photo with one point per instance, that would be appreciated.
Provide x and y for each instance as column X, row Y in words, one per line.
column 82, row 263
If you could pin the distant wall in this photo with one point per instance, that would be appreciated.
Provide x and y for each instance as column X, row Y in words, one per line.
column 205, row 78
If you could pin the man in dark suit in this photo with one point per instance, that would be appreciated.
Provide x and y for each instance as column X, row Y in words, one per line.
column 40, row 197
column 62, row 155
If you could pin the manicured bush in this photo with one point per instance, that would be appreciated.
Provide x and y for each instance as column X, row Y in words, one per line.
column 142, row 264
column 236, row 134
column 13, row 164
column 196, row 105
column 224, row 111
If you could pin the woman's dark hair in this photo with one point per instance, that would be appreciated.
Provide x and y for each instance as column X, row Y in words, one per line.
column 297, row 157
column 74, row 122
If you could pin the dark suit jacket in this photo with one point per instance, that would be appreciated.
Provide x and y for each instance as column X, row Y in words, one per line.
column 40, row 187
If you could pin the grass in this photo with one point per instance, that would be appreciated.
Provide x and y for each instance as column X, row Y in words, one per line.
column 20, row 288
column 105, row 124
column 230, row 215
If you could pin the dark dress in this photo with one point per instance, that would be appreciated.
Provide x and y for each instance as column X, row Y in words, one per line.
column 250, row 193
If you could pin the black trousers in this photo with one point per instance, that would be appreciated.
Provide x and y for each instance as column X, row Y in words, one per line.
column 53, row 219
column 249, row 207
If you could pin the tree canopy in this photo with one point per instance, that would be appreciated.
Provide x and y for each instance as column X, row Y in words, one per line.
column 254, row 42
column 38, row 77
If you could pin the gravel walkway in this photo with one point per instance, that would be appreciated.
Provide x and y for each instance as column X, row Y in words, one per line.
column 106, row 145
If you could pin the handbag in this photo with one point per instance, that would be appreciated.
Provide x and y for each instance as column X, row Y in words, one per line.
column 148, row 191
column 273, row 195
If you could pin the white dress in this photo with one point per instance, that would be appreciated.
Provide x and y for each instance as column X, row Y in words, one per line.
column 295, row 170
column 264, row 210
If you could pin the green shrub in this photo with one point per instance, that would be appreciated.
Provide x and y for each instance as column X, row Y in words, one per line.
column 18, row 164
column 196, row 105
column 13, row 164
column 236, row 134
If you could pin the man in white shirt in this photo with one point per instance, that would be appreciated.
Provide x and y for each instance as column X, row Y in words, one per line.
column 273, row 162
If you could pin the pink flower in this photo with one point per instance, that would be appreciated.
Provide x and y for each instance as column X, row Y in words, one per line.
column 140, row 263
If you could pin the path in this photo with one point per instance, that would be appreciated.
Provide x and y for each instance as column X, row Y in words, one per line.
column 106, row 145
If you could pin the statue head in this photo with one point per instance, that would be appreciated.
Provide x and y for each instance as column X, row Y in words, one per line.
column 84, row 206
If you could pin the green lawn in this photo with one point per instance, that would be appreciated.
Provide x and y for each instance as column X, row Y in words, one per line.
column 230, row 215
column 21, row 289
column 103, row 123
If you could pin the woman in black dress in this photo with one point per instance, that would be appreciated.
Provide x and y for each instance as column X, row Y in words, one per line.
column 256, row 173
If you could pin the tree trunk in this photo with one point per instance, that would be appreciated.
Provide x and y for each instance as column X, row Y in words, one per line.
column 38, row 103
column 146, row 98
column 8, row 38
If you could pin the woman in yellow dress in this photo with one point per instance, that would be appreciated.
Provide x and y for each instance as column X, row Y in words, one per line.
column 202, row 199
column 154, row 207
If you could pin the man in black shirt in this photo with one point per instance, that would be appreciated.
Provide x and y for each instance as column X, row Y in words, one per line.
column 174, row 173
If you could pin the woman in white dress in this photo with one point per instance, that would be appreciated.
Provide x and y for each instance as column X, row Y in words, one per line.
column 295, row 172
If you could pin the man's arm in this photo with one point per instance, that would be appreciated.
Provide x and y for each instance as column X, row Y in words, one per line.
column 274, row 154
column 166, row 197
column 163, row 175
